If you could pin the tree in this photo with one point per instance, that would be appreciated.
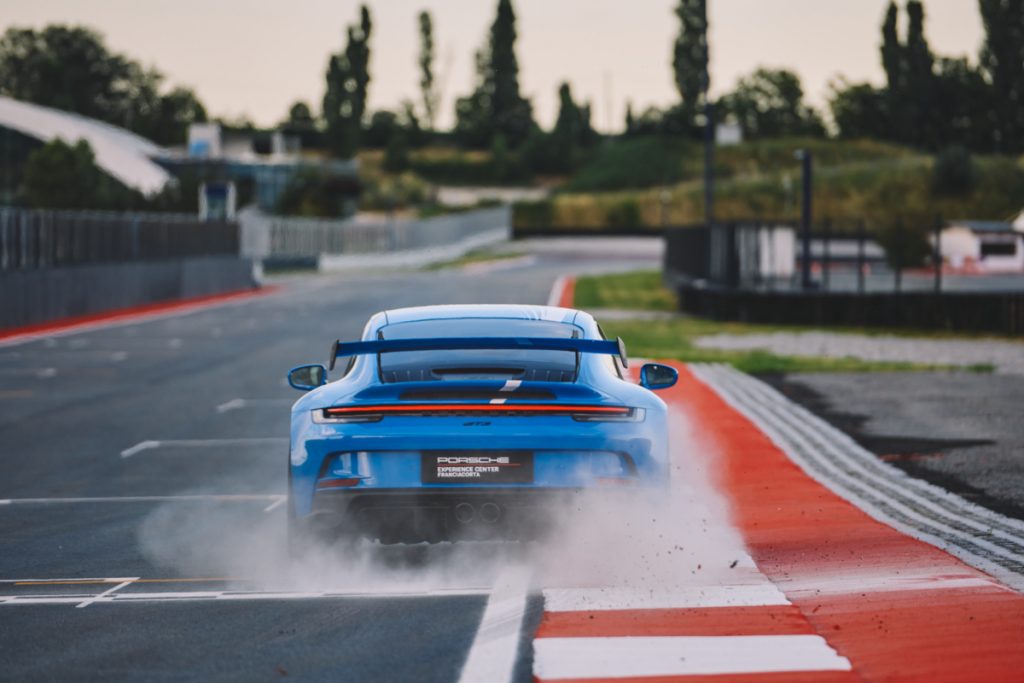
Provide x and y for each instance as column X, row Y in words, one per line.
column 70, row 68
column 300, row 116
column 496, row 106
column 860, row 111
column 1003, row 60
column 917, row 99
column 953, row 174
column 630, row 123
column 769, row 103
column 906, row 246
column 62, row 176
column 690, row 59
column 348, row 77
column 427, row 89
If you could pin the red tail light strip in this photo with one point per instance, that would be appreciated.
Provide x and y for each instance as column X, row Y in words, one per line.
column 478, row 408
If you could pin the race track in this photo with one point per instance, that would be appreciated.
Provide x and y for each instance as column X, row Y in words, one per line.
column 142, row 528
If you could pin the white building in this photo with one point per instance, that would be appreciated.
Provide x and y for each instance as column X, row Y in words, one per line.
column 984, row 246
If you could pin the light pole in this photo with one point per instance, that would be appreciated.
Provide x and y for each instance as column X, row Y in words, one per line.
column 806, row 157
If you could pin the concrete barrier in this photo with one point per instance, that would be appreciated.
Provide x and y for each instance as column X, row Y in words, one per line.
column 29, row 297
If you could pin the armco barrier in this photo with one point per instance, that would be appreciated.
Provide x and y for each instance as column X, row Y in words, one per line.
column 285, row 240
column 40, row 295
column 998, row 312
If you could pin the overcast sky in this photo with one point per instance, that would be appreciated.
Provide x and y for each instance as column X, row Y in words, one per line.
column 256, row 57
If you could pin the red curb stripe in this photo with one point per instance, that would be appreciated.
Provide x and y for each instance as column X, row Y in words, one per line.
column 568, row 293
column 706, row 621
column 121, row 315
column 782, row 677
column 804, row 538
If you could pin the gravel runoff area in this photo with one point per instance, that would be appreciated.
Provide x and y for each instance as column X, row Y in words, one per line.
column 958, row 430
column 1006, row 357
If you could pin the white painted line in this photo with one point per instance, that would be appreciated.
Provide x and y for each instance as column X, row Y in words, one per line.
column 139, row 447
column 276, row 504
column 683, row 597
column 226, row 498
column 109, row 591
column 560, row 658
column 112, row 597
column 239, row 403
column 199, row 443
column 233, row 404
column 492, row 656
column 555, row 297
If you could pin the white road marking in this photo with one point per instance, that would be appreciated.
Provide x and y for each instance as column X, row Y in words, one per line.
column 109, row 591
column 38, row 373
column 239, row 403
column 226, row 497
column 559, row 658
column 681, row 597
column 276, row 504
column 555, row 297
column 111, row 596
column 492, row 656
column 199, row 443
column 139, row 447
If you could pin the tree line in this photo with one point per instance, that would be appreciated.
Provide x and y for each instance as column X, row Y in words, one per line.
column 929, row 101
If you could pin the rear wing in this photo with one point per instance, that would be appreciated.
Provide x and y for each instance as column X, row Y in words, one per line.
column 361, row 348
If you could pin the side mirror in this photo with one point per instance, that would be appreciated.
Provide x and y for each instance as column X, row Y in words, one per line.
column 307, row 377
column 655, row 377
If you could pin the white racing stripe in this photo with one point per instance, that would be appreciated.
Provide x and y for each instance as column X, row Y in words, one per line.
column 682, row 597
column 562, row 658
column 509, row 386
column 492, row 656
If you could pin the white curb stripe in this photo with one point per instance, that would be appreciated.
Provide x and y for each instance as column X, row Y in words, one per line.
column 561, row 658
column 624, row 598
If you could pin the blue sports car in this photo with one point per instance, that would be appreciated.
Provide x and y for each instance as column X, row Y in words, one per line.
column 455, row 422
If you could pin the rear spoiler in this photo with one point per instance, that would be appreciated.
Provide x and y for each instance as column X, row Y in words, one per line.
column 341, row 349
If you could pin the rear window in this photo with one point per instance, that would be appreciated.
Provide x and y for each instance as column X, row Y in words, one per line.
column 462, row 364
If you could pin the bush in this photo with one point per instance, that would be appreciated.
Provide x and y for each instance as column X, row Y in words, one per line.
column 954, row 173
column 624, row 214
column 533, row 214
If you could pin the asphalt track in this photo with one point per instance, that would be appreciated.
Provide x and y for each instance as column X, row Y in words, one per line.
column 141, row 531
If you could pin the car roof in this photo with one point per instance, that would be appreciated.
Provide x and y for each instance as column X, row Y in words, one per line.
column 463, row 311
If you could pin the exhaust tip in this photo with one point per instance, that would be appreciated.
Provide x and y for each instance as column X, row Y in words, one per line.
column 464, row 513
column 490, row 513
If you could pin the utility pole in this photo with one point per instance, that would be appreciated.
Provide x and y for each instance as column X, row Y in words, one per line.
column 709, row 130
column 807, row 158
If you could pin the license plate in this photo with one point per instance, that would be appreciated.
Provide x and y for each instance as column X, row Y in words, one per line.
column 503, row 467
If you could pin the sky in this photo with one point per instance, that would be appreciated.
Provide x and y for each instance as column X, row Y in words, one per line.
column 256, row 57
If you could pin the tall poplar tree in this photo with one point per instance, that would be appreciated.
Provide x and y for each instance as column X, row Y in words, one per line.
column 1003, row 60
column 348, row 78
column 496, row 107
column 690, row 59
column 427, row 89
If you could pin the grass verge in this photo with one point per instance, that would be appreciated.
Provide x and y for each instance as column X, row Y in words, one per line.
column 476, row 256
column 674, row 338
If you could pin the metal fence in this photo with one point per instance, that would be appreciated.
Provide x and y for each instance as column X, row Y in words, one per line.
column 31, row 239
column 288, row 238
